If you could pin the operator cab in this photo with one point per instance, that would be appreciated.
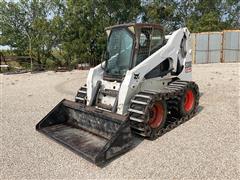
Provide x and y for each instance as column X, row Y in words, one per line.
column 128, row 45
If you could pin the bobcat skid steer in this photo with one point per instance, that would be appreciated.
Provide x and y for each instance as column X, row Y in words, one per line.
column 143, row 86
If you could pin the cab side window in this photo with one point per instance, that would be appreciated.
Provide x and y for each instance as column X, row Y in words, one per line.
column 157, row 40
column 150, row 40
column 144, row 44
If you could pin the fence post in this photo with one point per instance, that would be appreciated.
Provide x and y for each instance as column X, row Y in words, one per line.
column 194, row 49
column 222, row 44
column 208, row 34
column 194, row 45
column 238, row 57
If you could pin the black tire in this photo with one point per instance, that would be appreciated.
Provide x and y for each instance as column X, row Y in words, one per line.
column 178, row 105
column 184, row 110
column 153, row 124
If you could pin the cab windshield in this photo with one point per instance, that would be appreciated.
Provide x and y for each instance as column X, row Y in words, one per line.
column 119, row 52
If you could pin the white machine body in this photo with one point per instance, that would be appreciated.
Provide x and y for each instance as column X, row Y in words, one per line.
column 134, row 79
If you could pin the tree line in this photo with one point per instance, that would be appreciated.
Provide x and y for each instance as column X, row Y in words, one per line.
column 68, row 32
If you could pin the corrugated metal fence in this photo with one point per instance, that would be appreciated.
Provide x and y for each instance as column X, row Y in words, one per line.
column 215, row 47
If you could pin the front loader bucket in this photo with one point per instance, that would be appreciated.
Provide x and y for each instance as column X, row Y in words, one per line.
column 94, row 134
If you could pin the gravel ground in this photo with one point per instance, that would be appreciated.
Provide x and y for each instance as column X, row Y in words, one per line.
column 207, row 146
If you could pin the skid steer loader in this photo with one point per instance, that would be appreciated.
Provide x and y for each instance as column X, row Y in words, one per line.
column 143, row 86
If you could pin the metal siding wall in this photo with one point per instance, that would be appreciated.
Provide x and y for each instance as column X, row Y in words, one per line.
column 231, row 46
column 215, row 47
column 201, row 48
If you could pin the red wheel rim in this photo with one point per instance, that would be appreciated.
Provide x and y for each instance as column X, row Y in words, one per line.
column 189, row 100
column 156, row 115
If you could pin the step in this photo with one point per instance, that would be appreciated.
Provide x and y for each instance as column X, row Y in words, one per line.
column 84, row 92
column 79, row 98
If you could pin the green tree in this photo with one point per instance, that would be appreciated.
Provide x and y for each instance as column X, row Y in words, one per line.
column 67, row 32
column 209, row 15
column 197, row 15
column 85, row 21
column 163, row 12
column 30, row 27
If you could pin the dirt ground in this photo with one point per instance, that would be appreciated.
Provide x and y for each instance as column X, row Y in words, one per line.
column 207, row 146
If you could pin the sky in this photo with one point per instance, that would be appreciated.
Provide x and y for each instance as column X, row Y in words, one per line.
column 4, row 48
